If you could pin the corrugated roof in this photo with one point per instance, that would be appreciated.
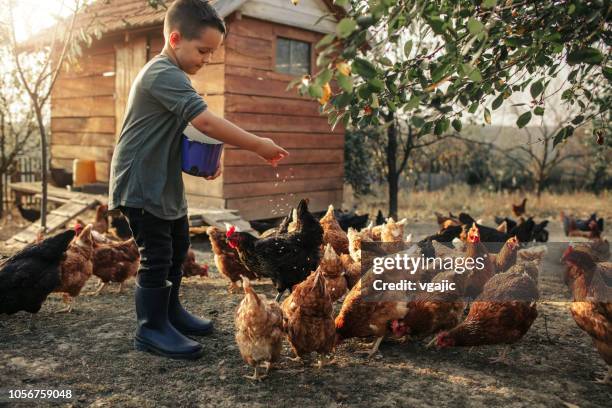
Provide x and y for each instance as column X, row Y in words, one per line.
column 108, row 16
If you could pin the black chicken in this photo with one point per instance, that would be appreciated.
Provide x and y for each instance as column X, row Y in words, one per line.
column 121, row 226
column 29, row 214
column 286, row 258
column 380, row 219
column 29, row 276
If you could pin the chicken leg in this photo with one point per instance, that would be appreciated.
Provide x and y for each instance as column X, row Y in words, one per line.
column 324, row 360
column 374, row 349
column 502, row 357
column 607, row 379
column 256, row 376
column 70, row 301
column 99, row 289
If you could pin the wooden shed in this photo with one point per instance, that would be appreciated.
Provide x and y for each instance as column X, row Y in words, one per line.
column 270, row 42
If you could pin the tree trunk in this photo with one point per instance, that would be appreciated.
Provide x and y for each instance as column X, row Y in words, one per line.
column 392, row 175
column 43, row 165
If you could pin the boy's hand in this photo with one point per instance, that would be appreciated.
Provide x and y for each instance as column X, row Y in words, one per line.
column 270, row 151
column 217, row 174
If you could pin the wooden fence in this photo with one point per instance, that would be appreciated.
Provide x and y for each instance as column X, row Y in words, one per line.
column 26, row 169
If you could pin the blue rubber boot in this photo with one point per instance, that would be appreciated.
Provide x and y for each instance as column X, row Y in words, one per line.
column 155, row 333
column 184, row 321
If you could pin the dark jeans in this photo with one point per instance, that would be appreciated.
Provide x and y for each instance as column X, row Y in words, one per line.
column 162, row 244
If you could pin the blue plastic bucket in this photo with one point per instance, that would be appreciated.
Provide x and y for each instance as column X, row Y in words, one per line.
column 201, row 154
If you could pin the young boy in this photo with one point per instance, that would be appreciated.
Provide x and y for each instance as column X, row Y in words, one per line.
column 145, row 178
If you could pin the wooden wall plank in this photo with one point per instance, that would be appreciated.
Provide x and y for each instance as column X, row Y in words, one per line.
column 102, row 154
column 236, row 157
column 291, row 186
column 202, row 187
column 196, row 201
column 216, row 104
column 248, row 52
column 249, row 174
column 83, row 139
column 83, row 107
column 280, row 123
column 83, row 87
column 130, row 58
column 291, row 140
column 90, row 64
column 245, row 85
column 264, row 104
column 93, row 124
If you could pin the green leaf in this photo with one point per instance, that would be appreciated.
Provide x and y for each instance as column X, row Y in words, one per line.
column 413, row 102
column 328, row 39
column 345, row 27
column 386, row 61
column 471, row 72
column 375, row 104
column 418, row 121
column 473, row 107
column 487, row 116
column 607, row 72
column 341, row 3
column 457, row 125
column 324, row 77
column 587, row 55
column 539, row 111
column 578, row 119
column 407, row 48
column 345, row 82
column 536, row 88
column 487, row 4
column 498, row 102
column 563, row 134
column 376, row 84
column 439, row 128
column 364, row 68
column 474, row 26
column 315, row 91
column 523, row 120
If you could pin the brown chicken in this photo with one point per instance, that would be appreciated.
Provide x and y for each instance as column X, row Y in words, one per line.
column 485, row 269
column 362, row 317
column 192, row 268
column 502, row 314
column 334, row 273
column 591, row 286
column 506, row 257
column 352, row 270
column 432, row 312
column 598, row 249
column 77, row 267
column 227, row 259
column 355, row 239
column 332, row 232
column 115, row 262
column 100, row 223
column 519, row 209
column 259, row 330
column 308, row 318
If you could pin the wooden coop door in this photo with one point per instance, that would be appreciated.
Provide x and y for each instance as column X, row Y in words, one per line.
column 130, row 57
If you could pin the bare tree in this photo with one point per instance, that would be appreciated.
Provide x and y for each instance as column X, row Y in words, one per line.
column 38, row 83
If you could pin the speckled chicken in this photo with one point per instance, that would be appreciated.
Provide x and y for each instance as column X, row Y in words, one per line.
column 226, row 259
column 308, row 318
column 334, row 273
column 332, row 232
column 259, row 330
column 591, row 286
column 77, row 267
column 502, row 313
column 362, row 317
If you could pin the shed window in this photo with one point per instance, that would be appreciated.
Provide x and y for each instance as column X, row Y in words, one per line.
column 292, row 56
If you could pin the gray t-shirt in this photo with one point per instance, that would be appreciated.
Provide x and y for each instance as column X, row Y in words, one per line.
column 146, row 166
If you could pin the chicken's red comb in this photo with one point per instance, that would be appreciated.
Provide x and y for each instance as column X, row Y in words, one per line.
column 230, row 231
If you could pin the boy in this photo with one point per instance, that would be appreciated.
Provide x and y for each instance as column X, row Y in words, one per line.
column 145, row 178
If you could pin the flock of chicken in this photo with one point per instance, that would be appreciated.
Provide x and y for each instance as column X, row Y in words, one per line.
column 65, row 262
column 320, row 265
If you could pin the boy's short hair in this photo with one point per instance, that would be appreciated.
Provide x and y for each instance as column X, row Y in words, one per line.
column 189, row 17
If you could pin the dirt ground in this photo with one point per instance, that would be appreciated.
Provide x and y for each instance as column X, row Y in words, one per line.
column 89, row 351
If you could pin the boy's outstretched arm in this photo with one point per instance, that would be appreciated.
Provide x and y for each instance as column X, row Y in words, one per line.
column 226, row 132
